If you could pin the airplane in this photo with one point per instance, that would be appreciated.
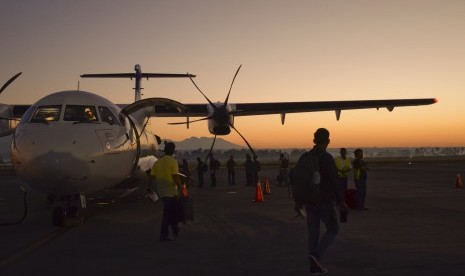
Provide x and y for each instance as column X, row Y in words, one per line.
column 70, row 144
column 73, row 143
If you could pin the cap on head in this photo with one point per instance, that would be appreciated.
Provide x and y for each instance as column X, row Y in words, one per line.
column 321, row 136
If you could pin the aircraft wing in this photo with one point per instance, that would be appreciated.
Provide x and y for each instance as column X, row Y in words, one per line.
column 133, row 75
column 296, row 107
column 247, row 109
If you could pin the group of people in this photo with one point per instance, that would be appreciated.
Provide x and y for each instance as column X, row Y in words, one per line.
column 344, row 165
column 252, row 169
column 333, row 174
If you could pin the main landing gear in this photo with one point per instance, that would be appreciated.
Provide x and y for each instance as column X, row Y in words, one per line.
column 66, row 210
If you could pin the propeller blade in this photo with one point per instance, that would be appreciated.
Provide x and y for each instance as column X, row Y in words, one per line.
column 243, row 138
column 227, row 97
column 208, row 100
column 183, row 123
column 211, row 148
column 9, row 81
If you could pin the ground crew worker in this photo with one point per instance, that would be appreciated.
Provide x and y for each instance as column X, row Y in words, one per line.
column 360, row 179
column 344, row 166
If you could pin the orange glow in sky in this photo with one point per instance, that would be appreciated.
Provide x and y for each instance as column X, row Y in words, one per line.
column 302, row 50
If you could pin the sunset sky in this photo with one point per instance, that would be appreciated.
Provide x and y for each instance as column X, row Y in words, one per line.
column 298, row 50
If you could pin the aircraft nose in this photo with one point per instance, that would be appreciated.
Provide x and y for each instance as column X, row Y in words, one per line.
column 56, row 171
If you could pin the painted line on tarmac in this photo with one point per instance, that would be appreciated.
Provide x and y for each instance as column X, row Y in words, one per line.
column 49, row 237
column 32, row 247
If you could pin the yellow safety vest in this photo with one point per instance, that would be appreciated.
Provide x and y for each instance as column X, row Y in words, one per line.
column 343, row 166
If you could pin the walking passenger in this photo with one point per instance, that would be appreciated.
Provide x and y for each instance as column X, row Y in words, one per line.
column 167, row 184
column 320, row 208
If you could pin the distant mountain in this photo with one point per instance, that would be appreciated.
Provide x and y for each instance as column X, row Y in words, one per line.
column 194, row 143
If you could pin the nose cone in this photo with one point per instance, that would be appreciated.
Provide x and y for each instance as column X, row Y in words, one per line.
column 51, row 158
column 56, row 172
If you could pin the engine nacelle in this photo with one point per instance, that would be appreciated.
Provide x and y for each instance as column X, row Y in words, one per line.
column 7, row 126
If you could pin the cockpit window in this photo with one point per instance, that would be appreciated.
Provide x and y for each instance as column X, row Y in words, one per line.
column 46, row 113
column 107, row 116
column 80, row 113
column 28, row 114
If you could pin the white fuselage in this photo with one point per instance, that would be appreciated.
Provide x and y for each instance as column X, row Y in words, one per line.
column 63, row 155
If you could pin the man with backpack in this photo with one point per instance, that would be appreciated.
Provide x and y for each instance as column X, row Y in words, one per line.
column 314, row 182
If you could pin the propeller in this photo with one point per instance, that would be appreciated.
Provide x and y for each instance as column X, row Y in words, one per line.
column 7, row 128
column 12, row 79
column 220, row 114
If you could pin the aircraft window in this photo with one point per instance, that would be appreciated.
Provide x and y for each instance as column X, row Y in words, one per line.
column 80, row 113
column 46, row 113
column 28, row 114
column 107, row 116
column 121, row 117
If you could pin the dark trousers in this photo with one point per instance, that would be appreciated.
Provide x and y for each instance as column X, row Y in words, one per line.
column 231, row 177
column 361, row 192
column 200, row 177
column 325, row 212
column 342, row 185
column 169, row 218
column 249, row 179
column 213, row 178
column 255, row 178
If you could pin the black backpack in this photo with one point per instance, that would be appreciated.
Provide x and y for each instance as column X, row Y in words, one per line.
column 305, row 179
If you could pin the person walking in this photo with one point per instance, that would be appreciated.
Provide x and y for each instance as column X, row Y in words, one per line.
column 214, row 165
column 256, row 168
column 201, row 169
column 248, row 170
column 283, row 170
column 344, row 166
column 231, row 170
column 322, row 210
column 360, row 179
column 165, row 176
column 184, row 170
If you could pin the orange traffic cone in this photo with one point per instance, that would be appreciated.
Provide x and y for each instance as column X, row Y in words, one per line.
column 458, row 181
column 258, row 193
column 267, row 186
column 184, row 191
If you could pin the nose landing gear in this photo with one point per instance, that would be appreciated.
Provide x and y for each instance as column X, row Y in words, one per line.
column 66, row 211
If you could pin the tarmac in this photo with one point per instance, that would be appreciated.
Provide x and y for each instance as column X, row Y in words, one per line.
column 415, row 225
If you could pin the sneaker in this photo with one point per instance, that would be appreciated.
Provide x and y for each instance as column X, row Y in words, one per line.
column 315, row 267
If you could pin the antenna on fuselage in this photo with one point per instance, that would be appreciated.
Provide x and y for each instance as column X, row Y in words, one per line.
column 78, row 86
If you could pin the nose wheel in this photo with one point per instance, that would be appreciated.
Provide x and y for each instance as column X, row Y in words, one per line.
column 67, row 216
column 58, row 216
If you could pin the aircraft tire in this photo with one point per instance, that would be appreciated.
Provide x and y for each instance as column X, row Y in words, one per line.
column 58, row 216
